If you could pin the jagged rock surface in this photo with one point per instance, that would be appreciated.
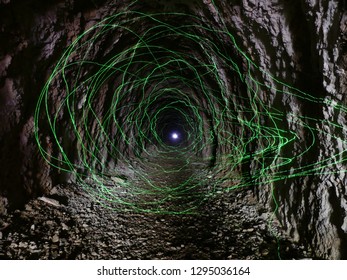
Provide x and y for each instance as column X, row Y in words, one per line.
column 302, row 43
column 69, row 225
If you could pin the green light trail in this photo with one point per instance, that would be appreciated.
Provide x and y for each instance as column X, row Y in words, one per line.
column 101, row 109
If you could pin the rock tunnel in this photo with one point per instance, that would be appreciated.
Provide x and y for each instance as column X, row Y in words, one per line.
column 173, row 129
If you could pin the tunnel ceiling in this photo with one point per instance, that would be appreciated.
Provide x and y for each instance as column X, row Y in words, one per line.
column 253, row 91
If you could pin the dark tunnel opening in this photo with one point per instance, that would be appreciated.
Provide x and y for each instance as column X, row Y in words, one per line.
column 173, row 128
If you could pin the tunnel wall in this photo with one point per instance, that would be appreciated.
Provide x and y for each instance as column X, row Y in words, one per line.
column 33, row 37
column 302, row 43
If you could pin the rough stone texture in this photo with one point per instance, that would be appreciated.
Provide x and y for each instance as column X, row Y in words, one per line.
column 303, row 43
column 78, row 228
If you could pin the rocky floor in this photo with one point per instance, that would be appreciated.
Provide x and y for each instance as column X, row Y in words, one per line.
column 69, row 224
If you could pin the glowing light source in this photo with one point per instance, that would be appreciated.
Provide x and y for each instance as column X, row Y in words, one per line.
column 174, row 136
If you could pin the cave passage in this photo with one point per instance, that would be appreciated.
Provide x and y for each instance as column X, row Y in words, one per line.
column 151, row 103
column 165, row 97
column 224, row 122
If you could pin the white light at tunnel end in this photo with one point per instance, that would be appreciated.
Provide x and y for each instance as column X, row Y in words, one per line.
column 174, row 136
